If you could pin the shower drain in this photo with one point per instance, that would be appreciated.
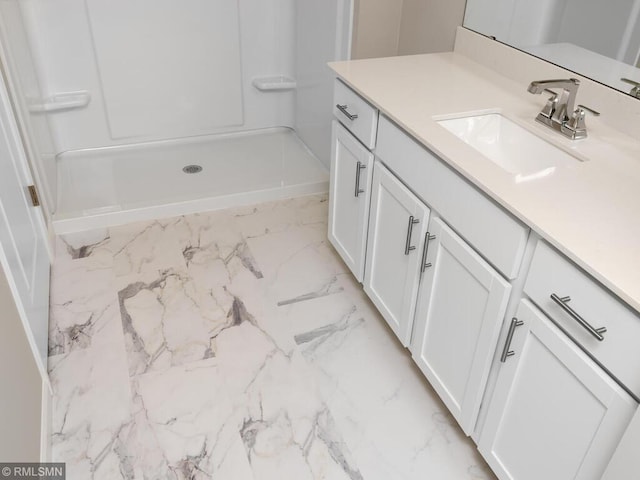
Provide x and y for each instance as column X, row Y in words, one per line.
column 192, row 169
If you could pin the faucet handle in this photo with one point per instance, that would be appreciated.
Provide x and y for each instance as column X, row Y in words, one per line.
column 576, row 123
column 583, row 109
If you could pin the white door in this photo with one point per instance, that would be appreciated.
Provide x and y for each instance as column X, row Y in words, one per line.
column 461, row 306
column 397, row 223
column 351, row 172
column 23, row 244
column 554, row 412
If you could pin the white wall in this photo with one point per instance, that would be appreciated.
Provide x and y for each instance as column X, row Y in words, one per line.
column 159, row 69
column 385, row 28
column 429, row 26
column 376, row 31
column 21, row 399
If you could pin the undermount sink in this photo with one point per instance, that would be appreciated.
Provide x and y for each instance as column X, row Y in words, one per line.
column 508, row 145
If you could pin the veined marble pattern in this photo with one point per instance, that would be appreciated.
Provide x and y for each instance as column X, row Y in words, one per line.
column 235, row 345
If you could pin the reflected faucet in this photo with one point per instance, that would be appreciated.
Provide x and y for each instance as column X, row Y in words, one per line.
column 560, row 112
column 635, row 90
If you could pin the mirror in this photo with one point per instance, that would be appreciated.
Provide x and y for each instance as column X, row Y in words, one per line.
column 599, row 39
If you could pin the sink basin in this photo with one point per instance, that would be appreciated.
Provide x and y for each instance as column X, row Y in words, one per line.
column 508, row 145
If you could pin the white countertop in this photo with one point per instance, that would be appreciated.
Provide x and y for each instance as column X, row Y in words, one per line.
column 590, row 211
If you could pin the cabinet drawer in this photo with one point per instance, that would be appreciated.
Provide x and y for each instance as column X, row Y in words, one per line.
column 618, row 352
column 496, row 235
column 355, row 114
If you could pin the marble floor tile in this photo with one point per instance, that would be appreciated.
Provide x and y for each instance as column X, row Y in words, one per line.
column 167, row 322
column 374, row 391
column 297, row 263
column 287, row 429
column 235, row 345
column 275, row 217
column 92, row 244
column 82, row 305
column 91, row 406
column 183, row 426
column 144, row 247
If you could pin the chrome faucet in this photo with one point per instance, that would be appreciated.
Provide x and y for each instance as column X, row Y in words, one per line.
column 560, row 112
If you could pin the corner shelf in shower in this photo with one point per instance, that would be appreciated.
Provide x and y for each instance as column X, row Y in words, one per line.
column 274, row 83
column 61, row 102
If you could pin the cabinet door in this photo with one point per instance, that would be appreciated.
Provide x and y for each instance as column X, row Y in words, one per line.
column 461, row 305
column 351, row 172
column 554, row 412
column 398, row 220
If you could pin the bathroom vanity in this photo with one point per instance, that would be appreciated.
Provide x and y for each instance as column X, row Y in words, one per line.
column 514, row 283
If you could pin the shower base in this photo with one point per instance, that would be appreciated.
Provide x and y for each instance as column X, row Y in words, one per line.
column 116, row 185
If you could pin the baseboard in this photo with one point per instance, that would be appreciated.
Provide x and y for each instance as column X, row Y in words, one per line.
column 45, row 429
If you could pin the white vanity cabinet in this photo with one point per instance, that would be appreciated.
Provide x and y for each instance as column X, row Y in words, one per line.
column 461, row 305
column 354, row 134
column 397, row 226
column 441, row 285
column 471, row 246
column 548, row 394
column 554, row 413
column 350, row 181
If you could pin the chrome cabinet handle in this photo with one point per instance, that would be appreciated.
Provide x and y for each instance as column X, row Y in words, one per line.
column 359, row 168
column 343, row 109
column 407, row 246
column 506, row 353
column 562, row 303
column 427, row 238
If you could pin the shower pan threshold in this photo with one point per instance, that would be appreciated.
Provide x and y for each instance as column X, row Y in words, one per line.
column 116, row 185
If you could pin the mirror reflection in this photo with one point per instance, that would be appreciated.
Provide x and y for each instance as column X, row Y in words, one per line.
column 599, row 39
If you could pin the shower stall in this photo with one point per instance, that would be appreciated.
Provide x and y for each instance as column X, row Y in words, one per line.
column 139, row 109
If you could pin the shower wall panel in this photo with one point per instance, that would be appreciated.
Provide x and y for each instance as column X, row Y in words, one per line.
column 323, row 35
column 161, row 69
column 22, row 80
column 168, row 67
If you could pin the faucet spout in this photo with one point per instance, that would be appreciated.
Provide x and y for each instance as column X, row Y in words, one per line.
column 538, row 86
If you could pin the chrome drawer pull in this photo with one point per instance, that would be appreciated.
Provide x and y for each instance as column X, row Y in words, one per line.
column 343, row 109
column 359, row 168
column 427, row 238
column 407, row 246
column 506, row 353
column 562, row 303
